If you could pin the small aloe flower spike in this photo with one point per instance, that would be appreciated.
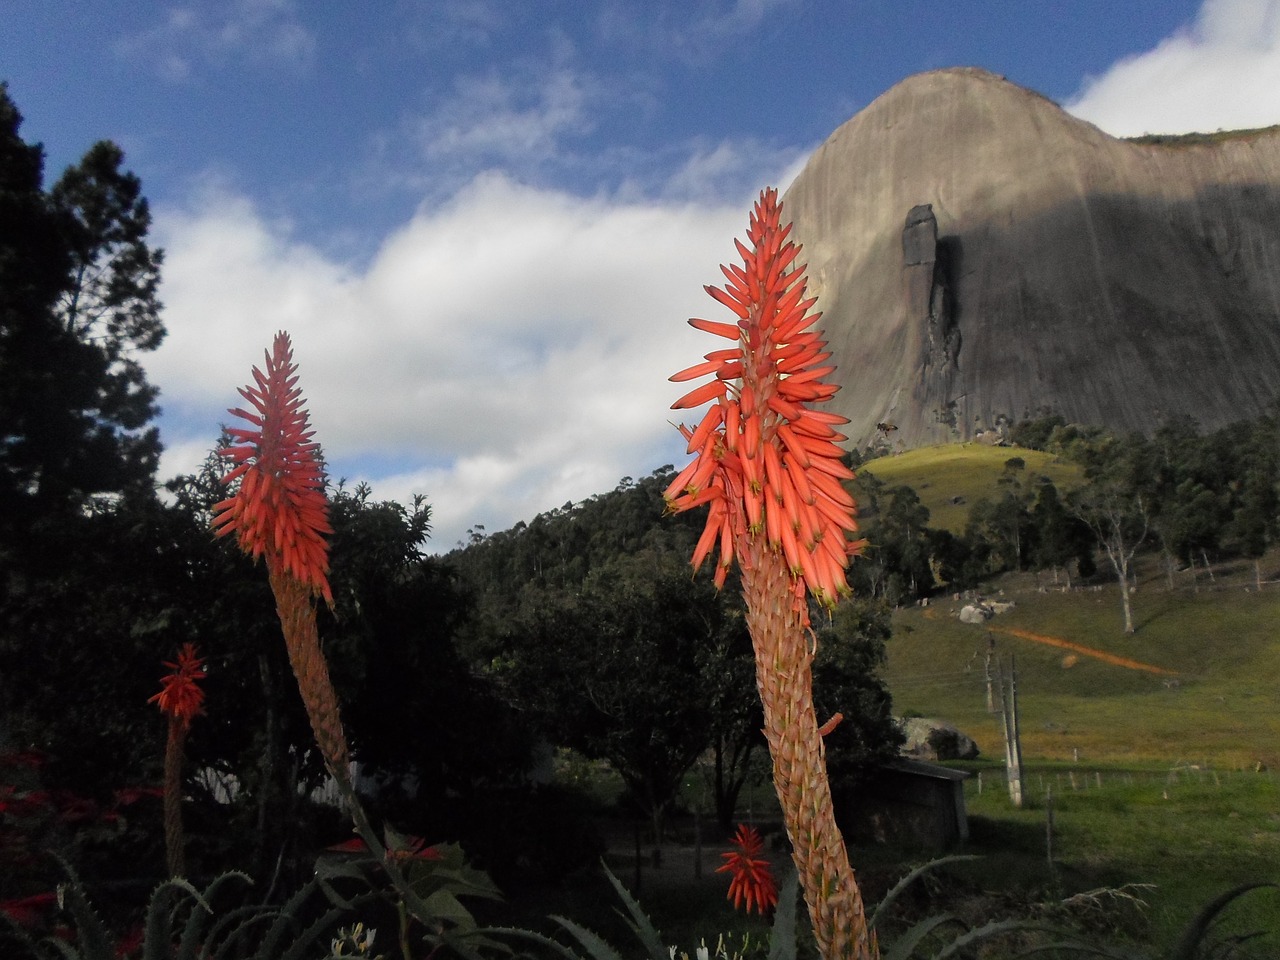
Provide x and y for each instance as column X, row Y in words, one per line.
column 180, row 697
column 753, row 883
column 769, row 467
column 181, row 700
column 279, row 513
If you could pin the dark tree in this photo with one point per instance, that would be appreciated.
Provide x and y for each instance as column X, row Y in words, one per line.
column 846, row 676
column 630, row 668
column 1115, row 503
column 1059, row 536
column 77, row 305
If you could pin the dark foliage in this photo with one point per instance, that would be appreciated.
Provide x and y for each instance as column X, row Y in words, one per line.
column 77, row 306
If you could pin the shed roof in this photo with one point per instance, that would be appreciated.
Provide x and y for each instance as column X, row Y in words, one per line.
column 922, row 768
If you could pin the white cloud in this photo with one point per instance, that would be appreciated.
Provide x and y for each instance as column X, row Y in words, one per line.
column 503, row 353
column 493, row 117
column 730, row 167
column 1222, row 72
column 694, row 32
column 189, row 36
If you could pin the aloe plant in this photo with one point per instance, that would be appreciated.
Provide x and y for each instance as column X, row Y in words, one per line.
column 221, row 922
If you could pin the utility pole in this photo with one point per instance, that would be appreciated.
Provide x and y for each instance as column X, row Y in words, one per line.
column 1012, row 740
column 991, row 700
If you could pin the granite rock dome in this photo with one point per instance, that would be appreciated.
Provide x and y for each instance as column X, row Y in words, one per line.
column 981, row 256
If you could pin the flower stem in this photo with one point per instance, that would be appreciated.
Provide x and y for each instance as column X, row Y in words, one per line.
column 297, row 614
column 784, row 658
column 174, row 839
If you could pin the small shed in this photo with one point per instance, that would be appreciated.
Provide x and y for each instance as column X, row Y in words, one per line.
column 908, row 803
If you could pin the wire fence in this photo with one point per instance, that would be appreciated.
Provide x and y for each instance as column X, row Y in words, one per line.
column 1039, row 783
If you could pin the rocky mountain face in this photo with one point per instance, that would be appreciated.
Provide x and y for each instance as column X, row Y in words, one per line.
column 980, row 256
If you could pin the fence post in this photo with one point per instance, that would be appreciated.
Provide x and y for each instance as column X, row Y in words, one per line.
column 1048, row 825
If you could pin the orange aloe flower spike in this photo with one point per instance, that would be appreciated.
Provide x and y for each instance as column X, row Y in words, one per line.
column 769, row 465
column 180, row 696
column 279, row 510
column 766, row 388
column 752, row 882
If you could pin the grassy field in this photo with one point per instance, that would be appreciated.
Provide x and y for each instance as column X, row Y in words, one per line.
column 1218, row 702
column 1184, row 835
column 948, row 479
column 1159, row 747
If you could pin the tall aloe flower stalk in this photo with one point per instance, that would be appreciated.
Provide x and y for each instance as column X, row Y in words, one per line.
column 181, row 700
column 768, row 465
column 279, row 513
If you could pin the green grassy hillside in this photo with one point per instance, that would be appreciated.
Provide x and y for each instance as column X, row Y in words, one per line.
column 1217, row 699
column 949, row 478
column 1138, row 737
column 1220, row 703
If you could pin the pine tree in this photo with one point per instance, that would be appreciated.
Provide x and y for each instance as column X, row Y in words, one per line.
column 78, row 304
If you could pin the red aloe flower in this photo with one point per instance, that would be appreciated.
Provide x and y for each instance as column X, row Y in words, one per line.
column 181, row 700
column 279, row 510
column 768, row 464
column 770, row 469
column 753, row 882
column 180, row 696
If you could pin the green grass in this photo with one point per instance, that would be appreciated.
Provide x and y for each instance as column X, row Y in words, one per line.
column 1221, row 706
column 948, row 479
column 1198, row 139
column 1166, row 780
column 1191, row 834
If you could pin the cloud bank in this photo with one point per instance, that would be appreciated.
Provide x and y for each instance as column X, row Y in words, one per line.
column 502, row 353
column 1220, row 73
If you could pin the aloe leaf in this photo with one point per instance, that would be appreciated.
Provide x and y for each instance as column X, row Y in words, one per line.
column 1188, row 944
column 21, row 935
column 200, row 932
column 92, row 935
column 229, row 929
column 782, row 939
column 67, row 950
column 535, row 937
column 906, row 944
column 285, row 919
column 996, row 928
column 643, row 927
column 595, row 945
column 891, row 897
column 162, row 912
column 301, row 946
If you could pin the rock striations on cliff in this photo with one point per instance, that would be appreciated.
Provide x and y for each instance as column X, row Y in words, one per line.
column 981, row 256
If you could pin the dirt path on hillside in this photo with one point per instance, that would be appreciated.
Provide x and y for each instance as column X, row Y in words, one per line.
column 1111, row 658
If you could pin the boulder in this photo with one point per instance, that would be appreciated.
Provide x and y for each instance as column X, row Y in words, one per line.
column 930, row 739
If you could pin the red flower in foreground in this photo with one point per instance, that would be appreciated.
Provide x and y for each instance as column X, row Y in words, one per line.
column 752, row 882
column 28, row 910
column 126, row 796
column 767, row 463
column 413, row 848
column 279, row 510
column 180, row 696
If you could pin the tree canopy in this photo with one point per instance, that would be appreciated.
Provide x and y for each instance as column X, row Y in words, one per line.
column 78, row 305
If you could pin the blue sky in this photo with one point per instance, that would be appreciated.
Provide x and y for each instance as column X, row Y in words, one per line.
column 485, row 221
